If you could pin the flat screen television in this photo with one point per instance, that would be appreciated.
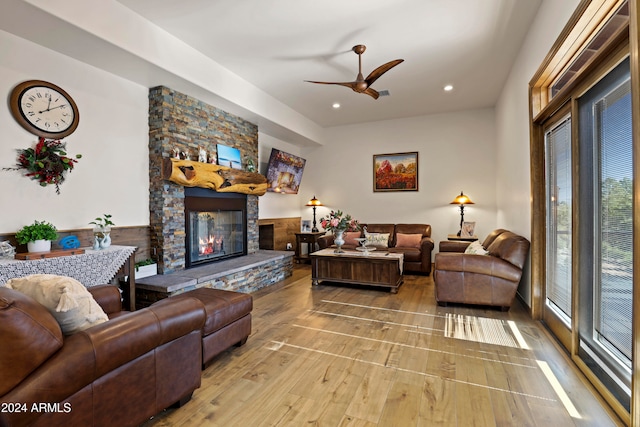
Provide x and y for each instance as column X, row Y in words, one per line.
column 284, row 172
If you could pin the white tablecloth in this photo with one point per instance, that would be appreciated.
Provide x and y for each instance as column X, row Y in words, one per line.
column 91, row 268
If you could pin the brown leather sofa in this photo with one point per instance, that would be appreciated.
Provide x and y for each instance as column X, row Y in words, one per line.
column 121, row 372
column 416, row 259
column 490, row 279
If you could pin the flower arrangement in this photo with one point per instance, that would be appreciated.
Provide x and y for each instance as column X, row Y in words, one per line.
column 46, row 163
column 337, row 221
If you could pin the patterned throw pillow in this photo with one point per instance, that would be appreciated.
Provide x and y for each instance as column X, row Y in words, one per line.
column 476, row 249
column 380, row 240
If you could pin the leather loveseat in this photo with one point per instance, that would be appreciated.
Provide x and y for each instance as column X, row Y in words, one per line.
column 417, row 256
column 490, row 279
column 117, row 373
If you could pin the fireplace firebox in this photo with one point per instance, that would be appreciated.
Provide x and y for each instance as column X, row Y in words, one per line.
column 216, row 226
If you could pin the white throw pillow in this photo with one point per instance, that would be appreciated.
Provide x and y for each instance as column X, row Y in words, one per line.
column 476, row 248
column 380, row 240
column 68, row 300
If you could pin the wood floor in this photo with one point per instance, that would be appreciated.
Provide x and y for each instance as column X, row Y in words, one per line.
column 353, row 356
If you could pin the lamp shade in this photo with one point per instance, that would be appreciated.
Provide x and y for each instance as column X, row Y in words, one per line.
column 462, row 199
column 314, row 202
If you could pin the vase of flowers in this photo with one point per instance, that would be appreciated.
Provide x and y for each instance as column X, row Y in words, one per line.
column 46, row 163
column 338, row 223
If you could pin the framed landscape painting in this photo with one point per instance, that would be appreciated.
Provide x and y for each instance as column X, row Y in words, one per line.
column 395, row 172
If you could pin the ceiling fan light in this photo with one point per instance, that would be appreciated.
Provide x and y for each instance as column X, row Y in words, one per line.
column 335, row 105
column 448, row 88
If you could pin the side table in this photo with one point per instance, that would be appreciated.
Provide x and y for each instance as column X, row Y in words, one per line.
column 311, row 239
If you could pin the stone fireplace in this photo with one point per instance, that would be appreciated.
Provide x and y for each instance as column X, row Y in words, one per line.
column 200, row 237
column 178, row 122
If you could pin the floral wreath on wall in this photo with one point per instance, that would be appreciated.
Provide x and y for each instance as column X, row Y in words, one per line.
column 46, row 163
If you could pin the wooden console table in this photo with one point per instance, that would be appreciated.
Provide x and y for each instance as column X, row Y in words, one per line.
column 90, row 268
column 373, row 269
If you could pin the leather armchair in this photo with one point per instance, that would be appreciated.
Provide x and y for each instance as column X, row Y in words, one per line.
column 121, row 372
column 481, row 279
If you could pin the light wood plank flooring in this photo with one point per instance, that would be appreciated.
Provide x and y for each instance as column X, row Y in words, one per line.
column 352, row 356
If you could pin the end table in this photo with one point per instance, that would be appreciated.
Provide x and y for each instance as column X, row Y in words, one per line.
column 311, row 239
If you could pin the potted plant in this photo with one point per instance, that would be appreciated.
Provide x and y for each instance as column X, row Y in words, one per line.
column 102, row 232
column 146, row 268
column 37, row 236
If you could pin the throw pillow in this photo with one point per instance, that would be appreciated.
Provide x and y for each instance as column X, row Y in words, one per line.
column 408, row 240
column 68, row 300
column 380, row 240
column 350, row 238
column 476, row 249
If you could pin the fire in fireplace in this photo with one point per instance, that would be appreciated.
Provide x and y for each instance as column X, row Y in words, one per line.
column 215, row 226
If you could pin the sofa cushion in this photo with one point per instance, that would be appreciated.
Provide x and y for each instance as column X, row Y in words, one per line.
column 476, row 248
column 29, row 335
column 70, row 303
column 408, row 240
column 379, row 240
column 511, row 248
column 350, row 238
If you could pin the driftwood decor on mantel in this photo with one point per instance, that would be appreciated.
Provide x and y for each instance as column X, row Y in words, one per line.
column 214, row 177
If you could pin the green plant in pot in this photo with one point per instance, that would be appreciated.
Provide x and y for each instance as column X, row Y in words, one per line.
column 37, row 236
column 102, row 232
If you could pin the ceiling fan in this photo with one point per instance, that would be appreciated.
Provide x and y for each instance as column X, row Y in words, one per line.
column 362, row 85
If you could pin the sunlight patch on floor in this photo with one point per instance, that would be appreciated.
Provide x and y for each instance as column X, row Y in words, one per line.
column 479, row 329
column 557, row 387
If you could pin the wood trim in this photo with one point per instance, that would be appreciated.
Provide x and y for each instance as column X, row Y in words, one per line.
column 634, row 51
column 588, row 18
column 138, row 236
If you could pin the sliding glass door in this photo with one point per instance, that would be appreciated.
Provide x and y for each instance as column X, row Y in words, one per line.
column 605, row 281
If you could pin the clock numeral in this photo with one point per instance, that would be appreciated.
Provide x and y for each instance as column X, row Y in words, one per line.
column 32, row 99
column 47, row 125
column 39, row 95
column 28, row 105
column 31, row 114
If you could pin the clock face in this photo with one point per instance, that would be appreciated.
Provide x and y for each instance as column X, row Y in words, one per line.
column 44, row 109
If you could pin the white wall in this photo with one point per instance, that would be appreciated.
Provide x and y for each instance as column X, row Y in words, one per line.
column 456, row 152
column 513, row 185
column 111, row 177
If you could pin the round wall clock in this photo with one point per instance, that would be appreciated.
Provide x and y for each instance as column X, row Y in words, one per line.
column 44, row 109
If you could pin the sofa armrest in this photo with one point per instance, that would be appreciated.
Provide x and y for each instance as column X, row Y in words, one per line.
column 478, row 264
column 325, row 241
column 453, row 246
column 108, row 297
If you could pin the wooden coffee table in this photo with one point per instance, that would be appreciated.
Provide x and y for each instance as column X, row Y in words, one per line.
column 382, row 269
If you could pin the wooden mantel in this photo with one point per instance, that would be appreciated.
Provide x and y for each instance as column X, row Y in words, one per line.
column 213, row 177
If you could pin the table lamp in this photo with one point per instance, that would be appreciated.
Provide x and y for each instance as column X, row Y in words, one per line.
column 461, row 200
column 315, row 203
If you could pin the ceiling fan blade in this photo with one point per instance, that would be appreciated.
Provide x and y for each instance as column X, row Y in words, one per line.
column 375, row 74
column 372, row 93
column 350, row 85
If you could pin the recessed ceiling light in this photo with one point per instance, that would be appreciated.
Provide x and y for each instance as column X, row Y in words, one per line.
column 336, row 105
column 448, row 88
